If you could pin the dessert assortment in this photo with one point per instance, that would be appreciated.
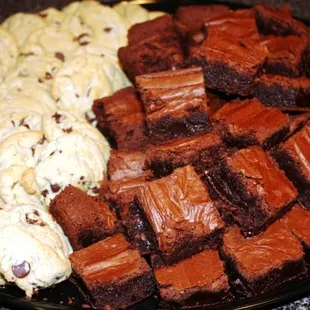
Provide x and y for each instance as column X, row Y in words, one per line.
column 172, row 152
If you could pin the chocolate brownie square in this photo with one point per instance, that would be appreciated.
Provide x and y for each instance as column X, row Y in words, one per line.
column 230, row 64
column 83, row 219
column 256, row 191
column 121, row 119
column 262, row 263
column 203, row 152
column 284, row 92
column 248, row 122
column 183, row 217
column 197, row 281
column 297, row 221
column 286, row 55
column 175, row 103
column 239, row 24
column 125, row 165
column 293, row 156
column 114, row 275
column 278, row 22
column 190, row 19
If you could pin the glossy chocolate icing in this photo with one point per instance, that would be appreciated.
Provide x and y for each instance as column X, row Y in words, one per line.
column 125, row 165
column 257, row 256
column 179, row 207
column 250, row 117
column 261, row 174
column 298, row 222
column 170, row 92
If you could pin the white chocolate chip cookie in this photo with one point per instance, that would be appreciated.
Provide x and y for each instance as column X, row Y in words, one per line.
column 18, row 186
column 52, row 16
column 33, row 248
column 41, row 68
column 82, row 80
column 50, row 41
column 19, row 120
column 8, row 53
column 21, row 25
column 18, row 88
column 22, row 148
column 74, row 159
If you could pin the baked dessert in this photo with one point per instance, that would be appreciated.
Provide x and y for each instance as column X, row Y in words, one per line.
column 201, row 151
column 230, row 64
column 114, row 275
column 84, row 220
column 248, row 122
column 175, row 104
column 277, row 21
column 194, row 282
column 261, row 263
column 283, row 92
column 286, row 55
column 297, row 221
column 181, row 214
column 121, row 119
column 246, row 181
column 293, row 157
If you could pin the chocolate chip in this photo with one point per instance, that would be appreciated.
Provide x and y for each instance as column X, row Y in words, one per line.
column 21, row 270
column 44, row 193
column 26, row 54
column 43, row 15
column 95, row 190
column 48, row 76
column 82, row 178
column 60, row 56
column 13, row 123
column 68, row 130
column 34, row 218
column 33, row 151
column 22, row 123
column 241, row 44
column 42, row 140
column 52, row 154
column 40, row 81
column 55, row 188
column 57, row 117
column 107, row 29
column 82, row 39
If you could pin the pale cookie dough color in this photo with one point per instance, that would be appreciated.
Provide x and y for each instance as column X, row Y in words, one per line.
column 52, row 16
column 74, row 159
column 21, row 25
column 33, row 249
column 8, row 53
column 82, row 80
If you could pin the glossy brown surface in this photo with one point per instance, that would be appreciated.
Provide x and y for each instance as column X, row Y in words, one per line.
column 260, row 174
column 179, row 207
column 251, row 118
column 256, row 256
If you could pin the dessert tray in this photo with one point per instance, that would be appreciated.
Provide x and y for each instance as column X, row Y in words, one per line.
column 154, row 157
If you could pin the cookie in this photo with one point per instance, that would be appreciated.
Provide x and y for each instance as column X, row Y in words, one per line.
column 50, row 41
column 8, row 53
column 31, row 240
column 82, row 80
column 21, row 25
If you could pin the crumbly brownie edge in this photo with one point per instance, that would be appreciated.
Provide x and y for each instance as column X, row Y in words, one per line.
column 288, row 164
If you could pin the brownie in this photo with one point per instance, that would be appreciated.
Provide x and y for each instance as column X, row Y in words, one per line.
column 286, row 55
column 175, row 103
column 121, row 119
column 183, row 217
column 239, row 24
column 113, row 274
column 248, row 122
column 284, row 92
column 246, row 182
column 125, row 165
column 196, row 281
column 83, row 219
column 230, row 64
column 163, row 26
column 298, row 221
column 278, row 22
column 201, row 151
column 293, row 157
column 190, row 19
column 262, row 263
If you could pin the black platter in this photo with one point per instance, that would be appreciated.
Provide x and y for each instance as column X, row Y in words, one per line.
column 66, row 296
